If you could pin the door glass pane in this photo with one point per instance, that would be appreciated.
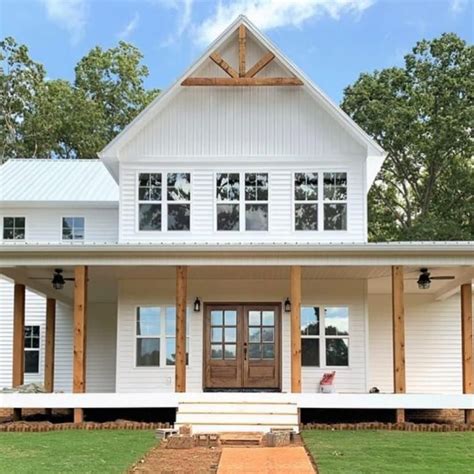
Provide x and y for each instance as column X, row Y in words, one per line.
column 254, row 318
column 230, row 351
column 230, row 335
column 230, row 318
column 216, row 351
column 254, row 334
column 216, row 335
column 255, row 351
column 268, row 335
column 268, row 318
column 268, row 351
column 216, row 318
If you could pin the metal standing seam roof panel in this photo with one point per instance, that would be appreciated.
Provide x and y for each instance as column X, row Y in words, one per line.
column 31, row 180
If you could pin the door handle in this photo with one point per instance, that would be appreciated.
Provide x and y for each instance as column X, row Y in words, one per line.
column 245, row 351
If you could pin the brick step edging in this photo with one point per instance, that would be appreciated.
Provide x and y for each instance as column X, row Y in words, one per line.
column 434, row 427
column 40, row 427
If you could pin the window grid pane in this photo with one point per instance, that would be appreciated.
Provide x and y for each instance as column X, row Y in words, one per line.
column 335, row 198
column 73, row 228
column 14, row 228
column 306, row 201
column 256, row 197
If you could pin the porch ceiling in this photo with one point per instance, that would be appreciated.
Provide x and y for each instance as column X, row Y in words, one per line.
column 103, row 280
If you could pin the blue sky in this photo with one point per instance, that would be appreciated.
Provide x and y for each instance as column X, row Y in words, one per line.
column 333, row 41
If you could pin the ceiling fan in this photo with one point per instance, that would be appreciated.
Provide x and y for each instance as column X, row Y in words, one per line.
column 425, row 278
column 58, row 281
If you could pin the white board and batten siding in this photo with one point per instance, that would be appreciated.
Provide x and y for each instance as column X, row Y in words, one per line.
column 134, row 293
column 101, row 340
column 433, row 344
column 45, row 224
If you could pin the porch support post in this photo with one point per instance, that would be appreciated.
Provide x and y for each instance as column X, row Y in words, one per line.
column 18, row 362
column 295, row 296
column 467, row 361
column 180, row 358
column 80, row 322
column 49, row 349
column 398, row 321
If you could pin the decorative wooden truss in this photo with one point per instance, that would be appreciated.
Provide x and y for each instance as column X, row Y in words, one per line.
column 242, row 77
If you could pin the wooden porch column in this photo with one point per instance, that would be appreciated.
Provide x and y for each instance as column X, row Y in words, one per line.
column 295, row 298
column 49, row 349
column 18, row 335
column 80, row 328
column 180, row 358
column 467, row 361
column 398, row 321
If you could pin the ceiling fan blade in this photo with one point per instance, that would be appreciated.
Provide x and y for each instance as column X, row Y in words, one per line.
column 443, row 278
column 69, row 279
column 38, row 278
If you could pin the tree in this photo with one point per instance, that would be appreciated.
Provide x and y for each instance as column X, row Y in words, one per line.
column 113, row 78
column 422, row 115
column 20, row 79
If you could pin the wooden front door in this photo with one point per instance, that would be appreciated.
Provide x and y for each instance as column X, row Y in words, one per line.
column 242, row 346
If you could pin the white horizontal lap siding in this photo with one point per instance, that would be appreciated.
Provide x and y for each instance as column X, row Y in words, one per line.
column 433, row 344
column 45, row 224
column 35, row 308
column 133, row 293
column 63, row 350
column 281, row 214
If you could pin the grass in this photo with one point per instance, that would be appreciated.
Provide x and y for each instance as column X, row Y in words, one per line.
column 72, row 451
column 391, row 451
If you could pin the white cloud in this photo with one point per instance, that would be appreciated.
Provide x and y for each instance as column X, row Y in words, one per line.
column 458, row 6
column 269, row 14
column 130, row 27
column 70, row 15
column 184, row 10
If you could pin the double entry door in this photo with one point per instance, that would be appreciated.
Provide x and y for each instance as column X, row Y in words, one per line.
column 242, row 346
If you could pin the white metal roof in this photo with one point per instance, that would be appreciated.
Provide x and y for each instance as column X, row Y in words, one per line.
column 56, row 181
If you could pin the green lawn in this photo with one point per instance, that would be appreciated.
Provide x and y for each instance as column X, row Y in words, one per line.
column 391, row 451
column 72, row 451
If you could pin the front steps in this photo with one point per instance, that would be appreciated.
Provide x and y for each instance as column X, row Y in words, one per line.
column 234, row 412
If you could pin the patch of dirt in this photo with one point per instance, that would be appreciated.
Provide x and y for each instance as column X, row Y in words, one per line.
column 178, row 461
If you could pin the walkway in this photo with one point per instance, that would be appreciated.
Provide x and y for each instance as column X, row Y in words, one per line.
column 265, row 461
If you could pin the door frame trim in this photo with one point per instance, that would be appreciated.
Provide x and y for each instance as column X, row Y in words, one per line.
column 277, row 304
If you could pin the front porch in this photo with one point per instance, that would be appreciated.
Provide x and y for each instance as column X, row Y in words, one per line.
column 369, row 286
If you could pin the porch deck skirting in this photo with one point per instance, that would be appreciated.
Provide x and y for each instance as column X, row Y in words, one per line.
column 302, row 400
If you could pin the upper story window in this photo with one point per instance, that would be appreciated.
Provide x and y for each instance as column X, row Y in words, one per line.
column 256, row 201
column 149, row 201
column 73, row 228
column 32, row 349
column 179, row 201
column 335, row 201
column 14, row 228
column 155, row 191
column 228, row 201
column 324, row 336
column 306, row 201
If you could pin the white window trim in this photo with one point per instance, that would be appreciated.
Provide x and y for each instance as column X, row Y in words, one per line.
column 322, row 337
column 241, row 202
column 330, row 201
column 256, row 201
column 163, row 202
column 33, row 349
column 162, row 336
column 61, row 229
column 3, row 228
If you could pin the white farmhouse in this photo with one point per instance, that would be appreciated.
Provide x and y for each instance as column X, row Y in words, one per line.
column 217, row 253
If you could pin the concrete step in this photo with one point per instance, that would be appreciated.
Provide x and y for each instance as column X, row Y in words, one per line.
column 219, row 428
column 237, row 418
column 282, row 408
column 244, row 438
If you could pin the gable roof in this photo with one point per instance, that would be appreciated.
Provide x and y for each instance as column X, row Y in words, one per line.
column 57, row 181
column 111, row 152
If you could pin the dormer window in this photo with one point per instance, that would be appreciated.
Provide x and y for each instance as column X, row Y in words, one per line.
column 335, row 201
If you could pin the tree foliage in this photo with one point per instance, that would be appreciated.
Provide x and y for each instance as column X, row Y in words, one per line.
column 422, row 115
column 43, row 118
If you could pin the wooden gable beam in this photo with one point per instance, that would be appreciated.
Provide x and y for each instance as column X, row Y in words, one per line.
column 242, row 81
column 223, row 64
column 242, row 50
column 259, row 65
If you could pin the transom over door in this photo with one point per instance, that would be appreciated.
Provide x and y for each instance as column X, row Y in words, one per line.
column 242, row 346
